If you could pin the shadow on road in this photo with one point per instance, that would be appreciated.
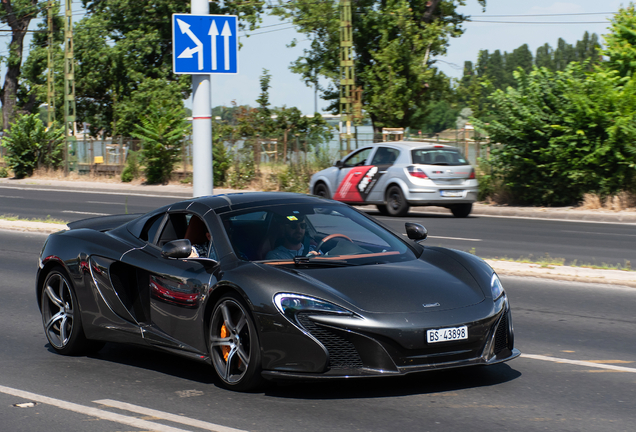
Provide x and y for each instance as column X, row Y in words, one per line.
column 420, row 383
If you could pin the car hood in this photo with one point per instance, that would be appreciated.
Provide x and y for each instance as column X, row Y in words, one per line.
column 433, row 285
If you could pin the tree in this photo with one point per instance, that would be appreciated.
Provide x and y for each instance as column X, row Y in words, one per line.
column 621, row 42
column 17, row 14
column 161, row 132
column 123, row 53
column 545, row 57
column 395, row 43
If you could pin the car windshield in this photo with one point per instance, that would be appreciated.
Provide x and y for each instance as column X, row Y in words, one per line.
column 317, row 233
column 438, row 156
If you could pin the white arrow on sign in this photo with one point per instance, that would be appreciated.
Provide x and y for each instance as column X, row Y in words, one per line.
column 226, row 33
column 188, row 52
column 213, row 33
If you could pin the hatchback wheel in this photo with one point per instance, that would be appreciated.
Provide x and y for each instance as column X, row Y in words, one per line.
column 461, row 210
column 396, row 204
column 321, row 190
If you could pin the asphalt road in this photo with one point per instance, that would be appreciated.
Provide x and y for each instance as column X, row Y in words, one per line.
column 588, row 328
column 488, row 237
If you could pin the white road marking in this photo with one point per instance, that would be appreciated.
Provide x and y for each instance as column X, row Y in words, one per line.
column 9, row 196
column 166, row 416
column 598, row 233
column 90, row 411
column 103, row 202
column 579, row 363
column 86, row 213
column 452, row 238
column 94, row 192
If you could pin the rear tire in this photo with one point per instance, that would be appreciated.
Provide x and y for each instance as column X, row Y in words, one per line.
column 321, row 190
column 61, row 316
column 396, row 204
column 382, row 209
column 461, row 210
column 234, row 347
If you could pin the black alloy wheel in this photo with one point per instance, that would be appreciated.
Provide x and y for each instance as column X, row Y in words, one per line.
column 461, row 210
column 396, row 204
column 321, row 190
column 234, row 346
column 61, row 314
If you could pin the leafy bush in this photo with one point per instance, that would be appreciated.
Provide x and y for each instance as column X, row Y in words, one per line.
column 161, row 133
column 131, row 171
column 221, row 163
column 294, row 178
column 564, row 134
column 4, row 173
column 30, row 145
column 243, row 170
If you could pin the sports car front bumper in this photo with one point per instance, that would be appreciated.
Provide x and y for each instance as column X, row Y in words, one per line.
column 346, row 353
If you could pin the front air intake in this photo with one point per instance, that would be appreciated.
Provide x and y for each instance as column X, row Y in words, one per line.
column 342, row 353
column 501, row 336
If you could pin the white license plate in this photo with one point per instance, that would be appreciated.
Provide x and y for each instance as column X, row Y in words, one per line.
column 447, row 334
column 451, row 193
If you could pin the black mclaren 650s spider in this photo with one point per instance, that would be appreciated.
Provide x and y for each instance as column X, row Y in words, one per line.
column 272, row 286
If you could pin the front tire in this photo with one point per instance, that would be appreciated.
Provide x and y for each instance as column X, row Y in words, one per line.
column 61, row 315
column 461, row 210
column 321, row 190
column 234, row 347
column 396, row 204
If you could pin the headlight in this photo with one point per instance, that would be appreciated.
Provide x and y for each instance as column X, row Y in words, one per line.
column 290, row 304
column 496, row 288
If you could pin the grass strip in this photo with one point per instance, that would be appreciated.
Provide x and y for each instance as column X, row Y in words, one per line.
column 48, row 219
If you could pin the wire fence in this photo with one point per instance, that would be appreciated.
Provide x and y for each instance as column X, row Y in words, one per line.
column 108, row 156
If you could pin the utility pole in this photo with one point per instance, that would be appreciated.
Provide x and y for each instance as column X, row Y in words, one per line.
column 50, row 95
column 202, row 175
column 69, row 84
column 347, row 74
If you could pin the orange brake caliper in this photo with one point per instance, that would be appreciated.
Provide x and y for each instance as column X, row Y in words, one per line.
column 225, row 349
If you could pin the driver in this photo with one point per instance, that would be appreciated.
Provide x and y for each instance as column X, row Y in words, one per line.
column 292, row 241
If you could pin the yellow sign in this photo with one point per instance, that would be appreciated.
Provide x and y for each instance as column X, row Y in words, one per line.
column 99, row 159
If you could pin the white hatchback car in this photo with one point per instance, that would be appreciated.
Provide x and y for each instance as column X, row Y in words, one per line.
column 397, row 175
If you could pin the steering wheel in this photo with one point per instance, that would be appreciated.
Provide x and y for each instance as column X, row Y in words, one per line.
column 329, row 237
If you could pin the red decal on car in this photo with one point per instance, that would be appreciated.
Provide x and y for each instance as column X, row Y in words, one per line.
column 357, row 184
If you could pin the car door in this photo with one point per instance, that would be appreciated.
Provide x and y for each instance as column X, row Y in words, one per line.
column 352, row 172
column 378, row 176
column 175, row 288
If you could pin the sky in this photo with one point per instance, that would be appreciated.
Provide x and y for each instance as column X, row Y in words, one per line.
column 266, row 48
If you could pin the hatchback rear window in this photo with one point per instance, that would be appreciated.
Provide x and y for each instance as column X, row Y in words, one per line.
column 438, row 157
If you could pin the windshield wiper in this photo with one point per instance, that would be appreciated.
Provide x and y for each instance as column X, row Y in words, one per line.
column 321, row 262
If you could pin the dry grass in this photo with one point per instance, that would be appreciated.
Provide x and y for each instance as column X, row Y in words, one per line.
column 623, row 201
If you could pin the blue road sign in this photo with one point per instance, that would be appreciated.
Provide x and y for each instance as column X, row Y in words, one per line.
column 204, row 44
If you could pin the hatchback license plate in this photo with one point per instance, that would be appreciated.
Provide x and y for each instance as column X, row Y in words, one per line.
column 447, row 334
column 451, row 193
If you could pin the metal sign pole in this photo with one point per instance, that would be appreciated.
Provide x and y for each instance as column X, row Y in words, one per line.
column 202, row 176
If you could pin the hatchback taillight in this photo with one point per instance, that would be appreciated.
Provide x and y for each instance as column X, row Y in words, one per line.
column 472, row 174
column 416, row 172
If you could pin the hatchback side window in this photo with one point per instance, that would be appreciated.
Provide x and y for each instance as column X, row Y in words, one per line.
column 385, row 156
column 358, row 158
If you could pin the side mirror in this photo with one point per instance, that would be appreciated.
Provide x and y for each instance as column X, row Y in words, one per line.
column 338, row 164
column 415, row 231
column 181, row 248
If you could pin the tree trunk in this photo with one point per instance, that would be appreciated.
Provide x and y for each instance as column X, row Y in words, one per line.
column 19, row 23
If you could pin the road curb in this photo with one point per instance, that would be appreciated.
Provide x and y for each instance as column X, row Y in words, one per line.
column 565, row 273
